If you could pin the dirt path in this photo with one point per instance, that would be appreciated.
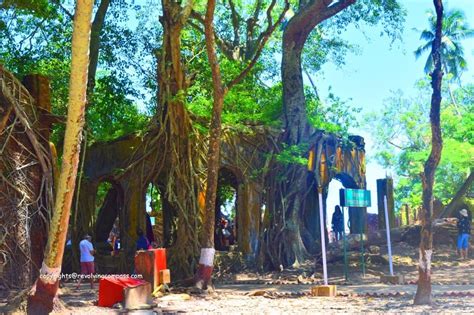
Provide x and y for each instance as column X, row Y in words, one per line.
column 238, row 299
column 226, row 301
column 283, row 296
column 231, row 304
column 363, row 289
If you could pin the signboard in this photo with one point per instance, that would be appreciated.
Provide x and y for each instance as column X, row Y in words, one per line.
column 354, row 198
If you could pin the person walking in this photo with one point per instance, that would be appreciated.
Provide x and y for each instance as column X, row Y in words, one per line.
column 337, row 223
column 464, row 232
column 87, row 260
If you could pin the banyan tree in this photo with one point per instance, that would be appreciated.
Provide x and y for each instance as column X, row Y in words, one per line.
column 132, row 163
column 276, row 209
column 249, row 164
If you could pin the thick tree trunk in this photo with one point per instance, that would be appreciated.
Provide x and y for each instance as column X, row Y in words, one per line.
column 297, row 127
column 284, row 243
column 178, row 150
column 423, row 292
column 21, row 178
column 5, row 111
column 43, row 292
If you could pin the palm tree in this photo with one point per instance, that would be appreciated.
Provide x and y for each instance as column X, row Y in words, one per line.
column 455, row 29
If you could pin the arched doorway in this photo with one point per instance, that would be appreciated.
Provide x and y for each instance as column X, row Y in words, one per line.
column 109, row 203
column 108, row 227
column 160, row 216
column 353, row 216
column 332, row 200
column 227, row 210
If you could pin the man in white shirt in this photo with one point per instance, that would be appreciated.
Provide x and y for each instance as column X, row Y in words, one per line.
column 87, row 259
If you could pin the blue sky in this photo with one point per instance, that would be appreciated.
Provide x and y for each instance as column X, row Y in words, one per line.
column 367, row 78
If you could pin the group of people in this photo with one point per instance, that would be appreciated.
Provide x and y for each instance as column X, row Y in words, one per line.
column 88, row 252
column 225, row 238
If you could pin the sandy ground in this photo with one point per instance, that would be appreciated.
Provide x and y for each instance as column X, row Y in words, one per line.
column 449, row 275
column 232, row 299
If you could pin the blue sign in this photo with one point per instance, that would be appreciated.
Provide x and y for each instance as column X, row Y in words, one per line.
column 355, row 198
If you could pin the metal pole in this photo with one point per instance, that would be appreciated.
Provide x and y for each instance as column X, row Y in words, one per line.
column 323, row 236
column 362, row 243
column 387, row 227
column 345, row 245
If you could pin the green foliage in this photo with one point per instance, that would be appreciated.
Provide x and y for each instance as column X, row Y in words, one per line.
column 111, row 113
column 389, row 13
column 153, row 198
column 403, row 137
column 293, row 154
column 39, row 8
column 324, row 45
column 226, row 197
column 253, row 101
column 102, row 191
column 129, row 41
column 40, row 43
column 226, row 193
column 333, row 115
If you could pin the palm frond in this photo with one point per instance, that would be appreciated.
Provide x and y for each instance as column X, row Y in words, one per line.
column 448, row 43
column 427, row 35
column 428, row 64
column 420, row 50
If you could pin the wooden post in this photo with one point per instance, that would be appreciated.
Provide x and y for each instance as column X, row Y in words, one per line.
column 385, row 188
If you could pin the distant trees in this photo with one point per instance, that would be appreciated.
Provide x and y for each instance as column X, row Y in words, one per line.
column 402, row 137
column 402, row 128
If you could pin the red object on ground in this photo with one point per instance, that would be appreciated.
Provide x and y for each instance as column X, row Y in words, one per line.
column 149, row 263
column 111, row 289
column 160, row 258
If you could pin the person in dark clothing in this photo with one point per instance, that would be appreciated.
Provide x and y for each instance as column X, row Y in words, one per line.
column 464, row 232
column 149, row 229
column 142, row 242
column 337, row 223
